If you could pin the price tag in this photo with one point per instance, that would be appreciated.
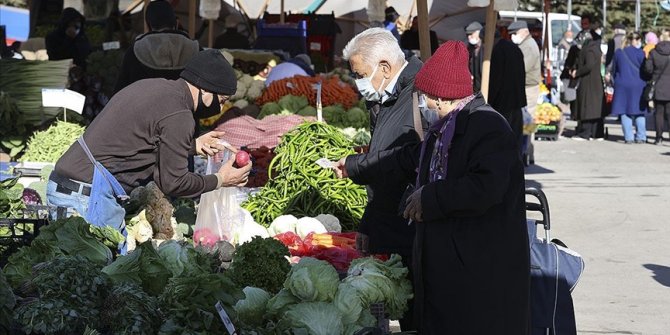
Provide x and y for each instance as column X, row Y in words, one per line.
column 111, row 45
column 225, row 318
column 60, row 97
column 326, row 163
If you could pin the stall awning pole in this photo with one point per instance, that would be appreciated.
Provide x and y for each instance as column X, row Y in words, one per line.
column 604, row 16
column 191, row 18
column 144, row 11
column 281, row 13
column 424, row 30
column 489, row 34
column 637, row 15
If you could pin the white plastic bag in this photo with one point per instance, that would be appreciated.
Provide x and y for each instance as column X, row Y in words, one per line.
column 219, row 213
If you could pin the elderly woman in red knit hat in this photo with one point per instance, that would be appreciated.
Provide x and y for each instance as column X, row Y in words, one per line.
column 471, row 253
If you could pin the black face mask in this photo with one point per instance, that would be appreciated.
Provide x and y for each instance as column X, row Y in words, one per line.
column 202, row 111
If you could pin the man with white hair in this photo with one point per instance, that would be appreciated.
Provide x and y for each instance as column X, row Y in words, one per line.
column 386, row 80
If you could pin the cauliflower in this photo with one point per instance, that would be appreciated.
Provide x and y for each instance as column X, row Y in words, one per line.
column 283, row 224
column 241, row 91
column 330, row 222
column 307, row 225
column 246, row 80
column 241, row 103
column 255, row 90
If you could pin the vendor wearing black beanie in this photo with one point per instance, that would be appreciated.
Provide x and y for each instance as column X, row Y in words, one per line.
column 146, row 133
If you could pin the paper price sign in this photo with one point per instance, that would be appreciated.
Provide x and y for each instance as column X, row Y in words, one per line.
column 225, row 318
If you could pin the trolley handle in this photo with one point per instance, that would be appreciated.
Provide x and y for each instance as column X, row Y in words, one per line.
column 542, row 206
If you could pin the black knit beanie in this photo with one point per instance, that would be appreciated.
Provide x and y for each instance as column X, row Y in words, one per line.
column 160, row 15
column 210, row 71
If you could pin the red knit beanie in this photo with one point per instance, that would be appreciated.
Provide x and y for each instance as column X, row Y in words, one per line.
column 446, row 74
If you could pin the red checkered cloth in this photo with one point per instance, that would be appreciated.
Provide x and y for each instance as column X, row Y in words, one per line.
column 250, row 132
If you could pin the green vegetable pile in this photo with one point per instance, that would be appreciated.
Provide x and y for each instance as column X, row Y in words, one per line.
column 11, row 205
column 65, row 283
column 51, row 144
column 105, row 65
column 334, row 115
column 12, row 126
column 300, row 187
column 314, row 301
column 261, row 263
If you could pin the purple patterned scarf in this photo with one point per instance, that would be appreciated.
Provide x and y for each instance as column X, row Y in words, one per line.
column 443, row 131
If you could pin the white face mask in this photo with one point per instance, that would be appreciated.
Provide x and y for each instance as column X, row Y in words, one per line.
column 517, row 39
column 637, row 45
column 473, row 41
column 76, row 32
column 569, row 40
column 422, row 102
column 364, row 86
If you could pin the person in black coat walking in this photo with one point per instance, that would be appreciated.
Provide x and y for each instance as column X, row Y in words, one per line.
column 161, row 53
column 68, row 40
column 657, row 67
column 590, row 93
column 507, row 87
column 471, row 255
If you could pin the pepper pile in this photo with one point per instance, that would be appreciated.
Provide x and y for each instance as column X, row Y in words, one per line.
column 300, row 187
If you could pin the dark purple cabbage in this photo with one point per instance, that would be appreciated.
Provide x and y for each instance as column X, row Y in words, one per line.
column 31, row 197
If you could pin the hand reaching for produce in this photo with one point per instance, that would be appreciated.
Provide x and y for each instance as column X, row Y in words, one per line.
column 413, row 211
column 209, row 144
column 231, row 176
column 341, row 169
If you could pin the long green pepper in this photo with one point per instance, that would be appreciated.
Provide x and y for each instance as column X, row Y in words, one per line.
column 300, row 187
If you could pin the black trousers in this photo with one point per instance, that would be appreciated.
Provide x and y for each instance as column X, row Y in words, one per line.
column 407, row 321
column 589, row 128
column 662, row 114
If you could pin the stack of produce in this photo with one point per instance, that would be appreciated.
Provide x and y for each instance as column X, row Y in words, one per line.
column 12, row 126
column 299, row 186
column 360, row 136
column 24, row 81
column 313, row 300
column 66, row 283
column 261, row 159
column 334, row 115
column 333, row 91
column 248, row 90
column 546, row 113
column 51, row 144
column 105, row 65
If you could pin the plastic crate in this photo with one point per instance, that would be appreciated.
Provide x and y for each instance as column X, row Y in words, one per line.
column 547, row 131
column 15, row 233
column 383, row 323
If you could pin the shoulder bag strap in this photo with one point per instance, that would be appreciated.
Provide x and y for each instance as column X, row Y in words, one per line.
column 628, row 59
column 417, row 115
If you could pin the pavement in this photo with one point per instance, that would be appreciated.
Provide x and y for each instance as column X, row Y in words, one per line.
column 610, row 202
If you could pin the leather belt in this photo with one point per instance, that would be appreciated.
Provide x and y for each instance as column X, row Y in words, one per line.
column 69, row 186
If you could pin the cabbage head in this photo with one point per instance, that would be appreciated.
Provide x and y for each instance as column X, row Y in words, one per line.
column 251, row 309
column 349, row 303
column 312, row 280
column 278, row 305
column 317, row 318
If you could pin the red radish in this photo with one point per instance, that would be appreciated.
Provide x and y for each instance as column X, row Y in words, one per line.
column 241, row 158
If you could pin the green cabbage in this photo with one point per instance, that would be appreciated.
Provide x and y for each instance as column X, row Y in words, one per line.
column 312, row 280
column 348, row 303
column 280, row 303
column 381, row 282
column 142, row 266
column 251, row 310
column 181, row 258
column 317, row 318
column 293, row 103
column 74, row 237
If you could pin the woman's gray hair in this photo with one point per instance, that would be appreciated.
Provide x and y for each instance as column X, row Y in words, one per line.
column 375, row 45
